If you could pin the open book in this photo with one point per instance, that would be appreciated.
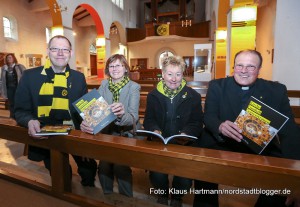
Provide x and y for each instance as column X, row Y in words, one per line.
column 94, row 110
column 165, row 140
column 259, row 123
column 48, row 130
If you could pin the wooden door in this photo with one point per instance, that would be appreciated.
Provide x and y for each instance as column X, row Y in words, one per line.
column 93, row 64
column 142, row 62
column 189, row 61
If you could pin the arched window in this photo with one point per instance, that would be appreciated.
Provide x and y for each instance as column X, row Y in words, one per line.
column 10, row 28
column 7, row 27
column 119, row 3
column 163, row 55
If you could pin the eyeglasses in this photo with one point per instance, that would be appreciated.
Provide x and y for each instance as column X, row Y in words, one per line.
column 115, row 66
column 249, row 68
column 64, row 50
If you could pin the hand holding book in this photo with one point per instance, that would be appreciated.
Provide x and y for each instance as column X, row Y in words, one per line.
column 231, row 130
column 95, row 111
column 259, row 124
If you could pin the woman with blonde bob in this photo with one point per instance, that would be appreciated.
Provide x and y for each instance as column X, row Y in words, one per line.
column 173, row 108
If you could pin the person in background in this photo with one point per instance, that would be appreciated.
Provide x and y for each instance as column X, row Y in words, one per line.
column 44, row 97
column 123, row 95
column 173, row 108
column 224, row 101
column 11, row 73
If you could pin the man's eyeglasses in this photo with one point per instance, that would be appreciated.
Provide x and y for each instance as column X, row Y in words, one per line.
column 250, row 68
column 64, row 50
column 115, row 66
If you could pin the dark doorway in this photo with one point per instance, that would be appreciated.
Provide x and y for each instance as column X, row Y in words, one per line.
column 93, row 64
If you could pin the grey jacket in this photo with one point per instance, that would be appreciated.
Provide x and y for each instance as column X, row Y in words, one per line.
column 19, row 70
column 129, row 97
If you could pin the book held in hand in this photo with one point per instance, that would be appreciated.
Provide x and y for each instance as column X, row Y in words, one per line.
column 49, row 130
column 94, row 110
column 259, row 123
column 167, row 139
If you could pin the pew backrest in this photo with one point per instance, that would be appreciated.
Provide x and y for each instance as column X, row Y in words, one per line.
column 294, row 96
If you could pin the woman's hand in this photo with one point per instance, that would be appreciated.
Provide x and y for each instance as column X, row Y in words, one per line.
column 85, row 127
column 118, row 109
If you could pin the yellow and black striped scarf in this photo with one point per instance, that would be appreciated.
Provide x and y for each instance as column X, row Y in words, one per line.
column 116, row 87
column 166, row 91
column 53, row 102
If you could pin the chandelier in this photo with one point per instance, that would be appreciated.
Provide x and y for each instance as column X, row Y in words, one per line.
column 59, row 7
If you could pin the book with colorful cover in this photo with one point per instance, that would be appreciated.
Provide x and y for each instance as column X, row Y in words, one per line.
column 259, row 123
column 94, row 110
column 49, row 130
column 165, row 139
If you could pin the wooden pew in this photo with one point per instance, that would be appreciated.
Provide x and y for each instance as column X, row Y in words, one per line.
column 228, row 168
column 146, row 85
column 4, row 103
column 147, row 82
column 199, row 86
column 92, row 86
column 150, row 74
column 142, row 108
column 295, row 109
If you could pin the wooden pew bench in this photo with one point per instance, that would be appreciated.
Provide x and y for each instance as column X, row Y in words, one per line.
column 4, row 103
column 228, row 168
column 295, row 94
column 142, row 108
column 150, row 74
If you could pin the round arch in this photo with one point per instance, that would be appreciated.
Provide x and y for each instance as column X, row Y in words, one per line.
column 56, row 16
column 122, row 32
column 100, row 36
column 159, row 52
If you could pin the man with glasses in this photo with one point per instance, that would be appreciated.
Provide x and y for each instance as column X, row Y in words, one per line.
column 224, row 101
column 44, row 97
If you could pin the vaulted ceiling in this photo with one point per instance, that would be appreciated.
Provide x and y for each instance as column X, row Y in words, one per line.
column 41, row 5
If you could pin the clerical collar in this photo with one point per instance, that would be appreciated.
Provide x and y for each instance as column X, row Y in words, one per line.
column 245, row 88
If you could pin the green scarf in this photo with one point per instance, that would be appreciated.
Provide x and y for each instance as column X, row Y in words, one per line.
column 116, row 87
column 53, row 101
column 166, row 91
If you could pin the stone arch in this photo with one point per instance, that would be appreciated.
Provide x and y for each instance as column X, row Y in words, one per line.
column 100, row 35
column 96, row 18
column 56, row 16
column 122, row 32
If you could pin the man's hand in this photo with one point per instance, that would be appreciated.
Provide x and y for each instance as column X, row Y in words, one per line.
column 33, row 128
column 231, row 130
